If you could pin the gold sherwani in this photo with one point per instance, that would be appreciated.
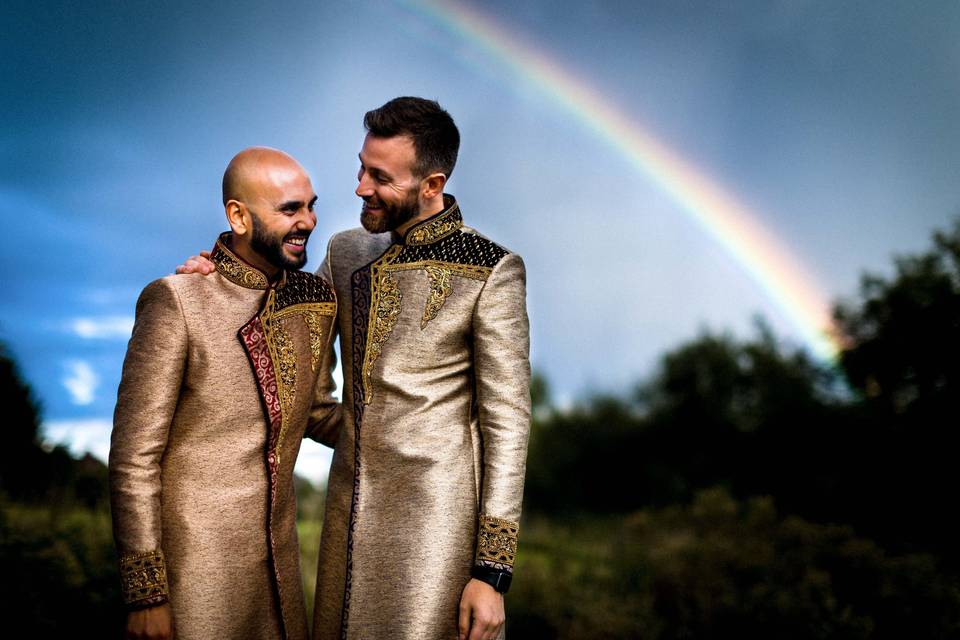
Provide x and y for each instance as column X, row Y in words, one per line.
column 427, row 475
column 223, row 377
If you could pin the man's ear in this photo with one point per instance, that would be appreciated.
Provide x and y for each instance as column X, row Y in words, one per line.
column 237, row 216
column 433, row 186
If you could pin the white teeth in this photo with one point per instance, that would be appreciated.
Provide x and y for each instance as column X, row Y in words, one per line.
column 297, row 241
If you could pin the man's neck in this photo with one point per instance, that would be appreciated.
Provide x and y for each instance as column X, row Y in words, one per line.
column 251, row 257
column 427, row 210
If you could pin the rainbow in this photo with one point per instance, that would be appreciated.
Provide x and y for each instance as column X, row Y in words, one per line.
column 731, row 224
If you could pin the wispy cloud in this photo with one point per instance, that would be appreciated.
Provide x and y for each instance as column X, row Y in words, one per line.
column 81, row 381
column 102, row 328
column 80, row 436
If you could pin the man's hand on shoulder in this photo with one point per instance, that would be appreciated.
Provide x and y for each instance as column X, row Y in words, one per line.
column 197, row 264
column 152, row 623
column 481, row 612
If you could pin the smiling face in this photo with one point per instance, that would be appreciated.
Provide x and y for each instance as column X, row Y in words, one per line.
column 271, row 211
column 387, row 184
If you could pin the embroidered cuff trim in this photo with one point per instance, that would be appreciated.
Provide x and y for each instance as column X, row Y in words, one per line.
column 144, row 579
column 496, row 543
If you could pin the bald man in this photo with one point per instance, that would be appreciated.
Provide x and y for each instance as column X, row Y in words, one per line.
column 224, row 376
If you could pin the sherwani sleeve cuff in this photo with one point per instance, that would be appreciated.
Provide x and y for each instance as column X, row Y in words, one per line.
column 144, row 579
column 496, row 543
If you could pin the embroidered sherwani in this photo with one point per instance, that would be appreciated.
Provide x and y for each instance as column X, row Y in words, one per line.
column 427, row 474
column 223, row 377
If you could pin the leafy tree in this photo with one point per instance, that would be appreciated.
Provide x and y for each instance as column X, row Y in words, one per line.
column 741, row 414
column 751, row 416
column 902, row 357
column 903, row 335
column 20, row 456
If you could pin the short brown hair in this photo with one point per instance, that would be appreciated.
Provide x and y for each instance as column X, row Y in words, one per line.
column 436, row 139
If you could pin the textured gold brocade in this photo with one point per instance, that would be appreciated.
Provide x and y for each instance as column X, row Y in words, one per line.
column 144, row 577
column 284, row 357
column 439, row 274
column 286, row 367
column 286, row 380
column 436, row 228
column 283, row 351
column 439, row 290
column 316, row 338
column 386, row 299
column 234, row 269
column 497, row 541
column 318, row 308
column 386, row 302
column 311, row 316
column 473, row 272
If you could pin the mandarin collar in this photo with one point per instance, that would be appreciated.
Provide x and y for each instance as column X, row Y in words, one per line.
column 236, row 269
column 438, row 226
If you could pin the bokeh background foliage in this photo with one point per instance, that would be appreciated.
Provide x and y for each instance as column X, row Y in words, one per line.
column 744, row 490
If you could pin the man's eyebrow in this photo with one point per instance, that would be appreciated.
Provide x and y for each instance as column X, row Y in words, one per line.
column 296, row 205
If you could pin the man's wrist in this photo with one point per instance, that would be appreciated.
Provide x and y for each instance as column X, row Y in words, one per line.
column 496, row 578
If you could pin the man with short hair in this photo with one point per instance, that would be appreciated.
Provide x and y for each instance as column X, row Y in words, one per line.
column 425, row 489
column 224, row 375
column 427, row 478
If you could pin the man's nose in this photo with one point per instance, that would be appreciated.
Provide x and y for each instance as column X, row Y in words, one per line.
column 308, row 219
column 364, row 185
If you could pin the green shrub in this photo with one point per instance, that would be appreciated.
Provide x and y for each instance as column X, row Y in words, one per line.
column 719, row 568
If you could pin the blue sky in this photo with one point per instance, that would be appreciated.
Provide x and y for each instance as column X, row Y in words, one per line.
column 835, row 122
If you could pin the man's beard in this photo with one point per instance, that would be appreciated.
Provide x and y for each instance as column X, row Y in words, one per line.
column 270, row 248
column 390, row 215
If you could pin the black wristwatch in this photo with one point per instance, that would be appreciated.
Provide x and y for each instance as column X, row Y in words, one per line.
column 499, row 580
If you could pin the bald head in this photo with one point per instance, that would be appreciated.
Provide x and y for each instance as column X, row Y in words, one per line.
column 268, row 201
column 250, row 169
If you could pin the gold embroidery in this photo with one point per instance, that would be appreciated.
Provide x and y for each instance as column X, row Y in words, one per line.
column 386, row 302
column 319, row 308
column 286, row 367
column 439, row 290
column 144, row 577
column 497, row 541
column 473, row 272
column 437, row 228
column 316, row 338
column 234, row 269
column 286, row 380
column 284, row 356
column 311, row 312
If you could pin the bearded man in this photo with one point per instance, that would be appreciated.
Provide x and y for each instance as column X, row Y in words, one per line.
column 224, row 375
column 426, row 484
column 425, row 488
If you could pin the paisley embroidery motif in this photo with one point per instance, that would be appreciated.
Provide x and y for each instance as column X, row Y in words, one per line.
column 287, row 361
column 438, row 227
column 388, row 301
column 316, row 338
column 234, row 269
column 438, row 246
column 440, row 288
